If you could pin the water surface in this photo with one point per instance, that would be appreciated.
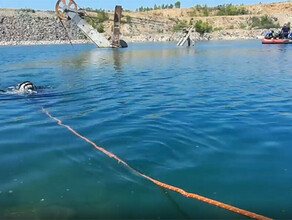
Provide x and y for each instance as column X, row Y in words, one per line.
column 215, row 120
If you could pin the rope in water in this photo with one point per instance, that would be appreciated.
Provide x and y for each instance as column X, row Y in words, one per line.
column 161, row 184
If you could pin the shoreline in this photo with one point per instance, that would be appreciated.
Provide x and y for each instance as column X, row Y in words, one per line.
column 223, row 35
column 80, row 42
column 39, row 43
column 24, row 28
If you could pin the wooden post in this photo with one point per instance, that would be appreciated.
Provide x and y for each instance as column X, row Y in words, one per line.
column 117, row 26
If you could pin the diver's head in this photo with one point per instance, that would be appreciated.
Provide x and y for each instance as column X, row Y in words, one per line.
column 27, row 87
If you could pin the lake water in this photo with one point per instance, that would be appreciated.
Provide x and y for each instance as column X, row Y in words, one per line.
column 215, row 120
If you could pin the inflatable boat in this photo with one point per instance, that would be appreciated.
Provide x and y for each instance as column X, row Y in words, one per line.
column 276, row 41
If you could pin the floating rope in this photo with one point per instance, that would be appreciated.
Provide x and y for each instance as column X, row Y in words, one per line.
column 161, row 184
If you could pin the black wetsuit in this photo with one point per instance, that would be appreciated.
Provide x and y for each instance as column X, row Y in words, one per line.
column 285, row 31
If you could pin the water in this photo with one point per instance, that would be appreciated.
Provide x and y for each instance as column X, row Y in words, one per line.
column 215, row 120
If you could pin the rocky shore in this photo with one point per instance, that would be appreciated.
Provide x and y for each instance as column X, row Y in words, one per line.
column 216, row 35
column 19, row 27
column 30, row 43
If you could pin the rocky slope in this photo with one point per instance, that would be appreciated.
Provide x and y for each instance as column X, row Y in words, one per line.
column 22, row 27
column 225, row 27
column 28, row 27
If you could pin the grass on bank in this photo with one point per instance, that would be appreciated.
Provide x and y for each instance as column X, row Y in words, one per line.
column 220, row 10
column 264, row 22
column 200, row 26
column 97, row 22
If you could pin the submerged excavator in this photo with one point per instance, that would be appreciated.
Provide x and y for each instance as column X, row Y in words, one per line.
column 69, row 10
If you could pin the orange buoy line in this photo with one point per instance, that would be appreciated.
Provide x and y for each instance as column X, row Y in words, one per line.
column 161, row 184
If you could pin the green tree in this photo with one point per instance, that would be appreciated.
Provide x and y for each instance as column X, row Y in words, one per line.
column 198, row 7
column 205, row 10
column 128, row 19
column 180, row 26
column 203, row 27
column 264, row 22
column 177, row 4
column 100, row 28
column 229, row 9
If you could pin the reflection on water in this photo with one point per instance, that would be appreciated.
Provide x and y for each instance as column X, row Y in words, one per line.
column 214, row 120
column 119, row 57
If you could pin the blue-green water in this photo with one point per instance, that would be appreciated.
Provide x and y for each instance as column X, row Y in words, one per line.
column 215, row 120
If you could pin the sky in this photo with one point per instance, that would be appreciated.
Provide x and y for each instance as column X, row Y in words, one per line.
column 127, row 4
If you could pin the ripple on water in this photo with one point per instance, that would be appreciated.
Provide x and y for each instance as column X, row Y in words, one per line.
column 215, row 121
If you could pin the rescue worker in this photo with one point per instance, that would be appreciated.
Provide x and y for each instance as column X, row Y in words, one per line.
column 285, row 31
column 269, row 35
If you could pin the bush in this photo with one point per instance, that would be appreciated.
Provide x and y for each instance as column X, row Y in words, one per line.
column 92, row 22
column 229, row 9
column 242, row 26
column 264, row 22
column 96, row 22
column 128, row 19
column 218, row 29
column 206, row 11
column 100, row 28
column 180, row 25
column 203, row 27
column 220, row 10
column 198, row 7
column 101, row 16
column 202, row 10
column 27, row 10
column 97, row 25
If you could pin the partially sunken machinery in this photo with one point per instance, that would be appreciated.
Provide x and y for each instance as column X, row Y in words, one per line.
column 68, row 10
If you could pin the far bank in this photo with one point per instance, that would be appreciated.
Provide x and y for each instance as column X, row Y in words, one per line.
column 30, row 27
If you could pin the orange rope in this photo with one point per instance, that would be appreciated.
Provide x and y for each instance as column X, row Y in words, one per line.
column 161, row 184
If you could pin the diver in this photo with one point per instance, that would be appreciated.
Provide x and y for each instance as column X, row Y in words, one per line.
column 269, row 35
column 189, row 41
column 26, row 87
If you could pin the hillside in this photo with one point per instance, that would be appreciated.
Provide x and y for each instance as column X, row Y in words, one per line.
column 162, row 22
column 34, row 27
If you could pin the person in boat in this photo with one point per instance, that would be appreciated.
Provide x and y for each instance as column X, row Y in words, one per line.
column 269, row 35
column 285, row 31
column 290, row 36
column 277, row 35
